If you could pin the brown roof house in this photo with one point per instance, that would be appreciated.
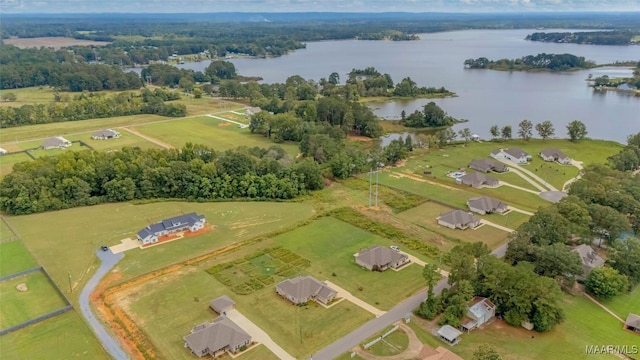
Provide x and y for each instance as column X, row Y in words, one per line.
column 487, row 165
column 477, row 180
column 480, row 311
column 56, row 142
column 439, row 353
column 105, row 134
column 458, row 219
column 214, row 338
column 590, row 259
column 222, row 304
column 632, row 323
column 302, row 289
column 552, row 154
column 486, row 205
column 380, row 258
column 515, row 155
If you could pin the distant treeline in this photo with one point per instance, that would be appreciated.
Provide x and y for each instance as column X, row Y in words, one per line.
column 91, row 106
column 614, row 37
column 553, row 62
column 195, row 173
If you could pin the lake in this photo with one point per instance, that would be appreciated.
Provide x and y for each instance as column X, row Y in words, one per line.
column 485, row 97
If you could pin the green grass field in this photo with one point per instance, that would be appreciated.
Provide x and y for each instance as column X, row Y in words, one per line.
column 6, row 234
column 7, row 162
column 65, row 336
column 511, row 220
column 78, row 235
column 330, row 245
column 211, row 132
column 125, row 139
column 393, row 344
column 259, row 353
column 425, row 215
column 30, row 96
column 235, row 117
column 18, row 306
column 624, row 304
column 14, row 257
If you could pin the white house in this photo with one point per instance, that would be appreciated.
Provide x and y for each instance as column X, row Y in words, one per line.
column 191, row 222
column 552, row 154
column 515, row 155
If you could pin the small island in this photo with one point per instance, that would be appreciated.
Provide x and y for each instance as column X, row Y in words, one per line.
column 540, row 62
column 615, row 37
column 371, row 85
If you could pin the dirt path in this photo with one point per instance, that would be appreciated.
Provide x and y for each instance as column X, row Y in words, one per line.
column 417, row 178
column 577, row 164
column 412, row 351
column 348, row 296
column 604, row 307
column 242, row 126
column 148, row 138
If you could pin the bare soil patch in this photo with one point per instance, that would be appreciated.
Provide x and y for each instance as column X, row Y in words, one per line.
column 55, row 42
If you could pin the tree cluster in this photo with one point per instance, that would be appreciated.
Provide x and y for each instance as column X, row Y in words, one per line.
column 195, row 173
column 430, row 116
column 553, row 62
column 614, row 37
column 629, row 157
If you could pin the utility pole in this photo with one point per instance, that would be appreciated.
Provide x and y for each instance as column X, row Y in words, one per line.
column 70, row 288
column 377, row 181
column 370, row 179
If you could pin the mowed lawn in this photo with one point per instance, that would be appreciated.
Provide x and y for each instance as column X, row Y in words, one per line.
column 125, row 139
column 299, row 330
column 425, row 215
column 585, row 324
column 330, row 245
column 7, row 162
column 14, row 257
column 205, row 130
column 6, row 234
column 70, row 249
column 260, row 352
column 65, row 336
column 512, row 219
column 19, row 306
column 624, row 304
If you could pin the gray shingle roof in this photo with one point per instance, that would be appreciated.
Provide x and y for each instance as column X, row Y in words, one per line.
column 590, row 259
column 486, row 203
column 379, row 256
column 57, row 141
column 222, row 332
column 449, row 332
column 458, row 217
column 105, row 133
column 304, row 287
column 487, row 165
column 555, row 153
column 221, row 304
column 633, row 320
column 171, row 224
column 517, row 152
column 477, row 179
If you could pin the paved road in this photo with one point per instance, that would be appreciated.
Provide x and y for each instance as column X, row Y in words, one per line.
column 258, row 334
column 109, row 260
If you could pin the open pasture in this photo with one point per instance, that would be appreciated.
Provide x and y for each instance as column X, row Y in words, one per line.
column 14, row 258
column 55, row 42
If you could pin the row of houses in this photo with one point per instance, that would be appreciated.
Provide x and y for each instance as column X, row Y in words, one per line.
column 520, row 156
column 59, row 142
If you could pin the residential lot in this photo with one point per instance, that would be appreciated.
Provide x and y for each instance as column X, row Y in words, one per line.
column 14, row 258
column 624, row 304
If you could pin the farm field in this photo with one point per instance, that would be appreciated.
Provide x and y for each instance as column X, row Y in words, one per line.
column 330, row 245
column 211, row 132
column 14, row 257
column 425, row 215
column 55, row 42
column 62, row 337
column 20, row 306
column 624, row 304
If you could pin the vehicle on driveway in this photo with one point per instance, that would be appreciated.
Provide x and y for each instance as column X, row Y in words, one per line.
column 104, row 248
column 394, row 248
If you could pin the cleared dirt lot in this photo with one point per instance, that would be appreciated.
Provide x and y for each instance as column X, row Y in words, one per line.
column 55, row 42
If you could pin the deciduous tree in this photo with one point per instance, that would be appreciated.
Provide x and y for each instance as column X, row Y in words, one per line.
column 545, row 129
column 525, row 128
column 606, row 282
column 576, row 130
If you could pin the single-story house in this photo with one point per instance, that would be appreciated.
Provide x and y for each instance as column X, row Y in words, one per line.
column 222, row 304
column 458, row 219
column 590, row 259
column 626, row 87
column 515, row 155
column 487, row 165
column 552, row 154
column 632, row 323
column 105, row 134
column 302, row 289
column 2, row 151
column 439, row 353
column 477, row 180
column 252, row 110
column 214, row 338
column 192, row 222
column 56, row 142
column 475, row 137
column 380, row 258
column 480, row 311
column 486, row 205
column 449, row 334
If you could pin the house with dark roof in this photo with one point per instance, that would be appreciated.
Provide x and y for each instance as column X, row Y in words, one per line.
column 590, row 259
column 439, row 353
column 552, row 154
column 486, row 205
column 187, row 222
column 56, row 142
column 105, row 134
column 449, row 334
column 380, row 258
column 487, row 165
column 515, row 155
column 479, row 312
column 632, row 323
column 302, row 289
column 214, row 338
column 222, row 304
column 477, row 180
column 458, row 219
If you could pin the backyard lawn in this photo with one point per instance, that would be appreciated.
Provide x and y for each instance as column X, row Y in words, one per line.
column 14, row 257
column 259, row 353
column 7, row 162
column 6, row 234
column 624, row 304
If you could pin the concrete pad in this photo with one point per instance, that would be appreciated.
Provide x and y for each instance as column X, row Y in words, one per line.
column 125, row 244
column 257, row 334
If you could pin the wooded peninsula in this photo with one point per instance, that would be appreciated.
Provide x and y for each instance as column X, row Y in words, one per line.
column 540, row 62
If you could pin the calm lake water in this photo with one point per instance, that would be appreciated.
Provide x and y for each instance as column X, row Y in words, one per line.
column 485, row 97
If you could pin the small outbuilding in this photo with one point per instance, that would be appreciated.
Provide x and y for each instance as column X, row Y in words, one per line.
column 449, row 334
column 222, row 304
column 632, row 323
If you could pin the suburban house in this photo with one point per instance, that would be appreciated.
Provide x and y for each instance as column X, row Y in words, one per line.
column 56, row 142
column 486, row 205
column 477, row 180
column 302, row 289
column 515, row 155
column 380, row 258
column 552, row 154
column 626, row 87
column 632, row 323
column 590, row 259
column 449, row 334
column 222, row 304
column 252, row 110
column 487, row 165
column 191, row 222
column 105, row 134
column 214, row 338
column 439, row 353
column 479, row 312
column 458, row 219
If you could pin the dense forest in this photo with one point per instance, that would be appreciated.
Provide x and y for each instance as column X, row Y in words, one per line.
column 615, row 37
column 553, row 62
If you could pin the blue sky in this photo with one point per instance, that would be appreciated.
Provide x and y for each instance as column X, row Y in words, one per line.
column 200, row 6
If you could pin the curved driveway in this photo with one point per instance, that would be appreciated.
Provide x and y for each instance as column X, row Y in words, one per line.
column 108, row 261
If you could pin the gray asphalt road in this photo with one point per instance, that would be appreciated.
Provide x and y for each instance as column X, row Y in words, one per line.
column 109, row 260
